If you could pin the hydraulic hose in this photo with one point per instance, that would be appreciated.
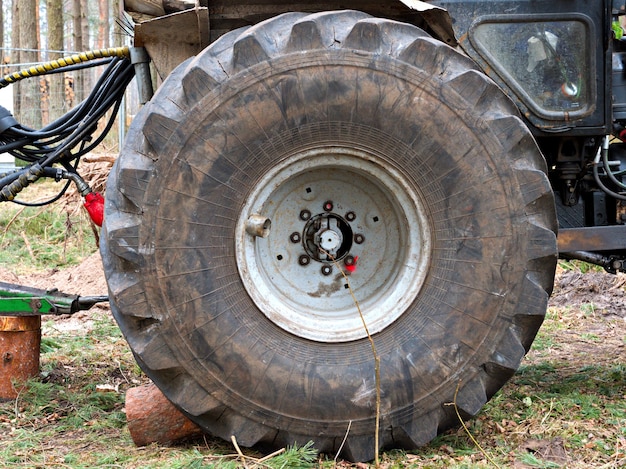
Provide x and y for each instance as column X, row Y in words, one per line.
column 71, row 136
column 49, row 67
column 603, row 153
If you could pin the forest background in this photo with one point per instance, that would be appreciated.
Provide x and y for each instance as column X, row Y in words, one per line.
column 35, row 31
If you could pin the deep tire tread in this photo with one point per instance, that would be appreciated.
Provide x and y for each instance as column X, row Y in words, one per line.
column 237, row 53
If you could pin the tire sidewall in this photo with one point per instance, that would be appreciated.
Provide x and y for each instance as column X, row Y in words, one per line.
column 247, row 125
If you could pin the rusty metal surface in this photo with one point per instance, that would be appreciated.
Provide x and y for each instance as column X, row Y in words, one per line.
column 226, row 15
column 597, row 238
column 437, row 19
column 20, row 339
column 171, row 39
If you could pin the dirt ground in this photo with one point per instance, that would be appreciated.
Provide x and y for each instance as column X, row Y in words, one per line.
column 84, row 279
column 596, row 305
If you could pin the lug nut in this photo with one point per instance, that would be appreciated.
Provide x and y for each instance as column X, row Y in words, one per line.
column 305, row 215
column 304, row 260
column 359, row 238
column 349, row 260
column 294, row 237
column 327, row 270
column 350, row 216
column 328, row 206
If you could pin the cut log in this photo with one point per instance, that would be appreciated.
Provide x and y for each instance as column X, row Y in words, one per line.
column 20, row 340
column 151, row 418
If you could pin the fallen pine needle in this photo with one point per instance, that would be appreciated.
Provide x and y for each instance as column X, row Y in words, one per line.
column 343, row 442
column 271, row 455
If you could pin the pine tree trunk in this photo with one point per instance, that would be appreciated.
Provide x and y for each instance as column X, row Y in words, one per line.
column 55, row 42
column 77, row 15
column 2, row 51
column 119, row 35
column 15, row 56
column 88, row 73
column 30, row 97
column 103, row 24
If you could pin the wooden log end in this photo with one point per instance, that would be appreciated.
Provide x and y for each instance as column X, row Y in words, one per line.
column 152, row 418
column 20, row 342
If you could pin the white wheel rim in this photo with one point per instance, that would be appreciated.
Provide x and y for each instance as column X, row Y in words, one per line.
column 375, row 215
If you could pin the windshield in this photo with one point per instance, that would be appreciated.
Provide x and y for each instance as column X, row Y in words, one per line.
column 546, row 63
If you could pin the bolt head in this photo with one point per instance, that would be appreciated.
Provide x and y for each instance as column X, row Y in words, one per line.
column 294, row 237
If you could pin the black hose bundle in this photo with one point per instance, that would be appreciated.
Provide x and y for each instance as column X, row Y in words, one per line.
column 68, row 138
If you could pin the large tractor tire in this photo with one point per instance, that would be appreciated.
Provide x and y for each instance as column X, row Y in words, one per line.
column 296, row 149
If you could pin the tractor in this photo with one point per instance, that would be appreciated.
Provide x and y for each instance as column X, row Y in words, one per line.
column 331, row 220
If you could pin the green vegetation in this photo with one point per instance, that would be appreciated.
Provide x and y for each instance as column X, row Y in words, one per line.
column 580, row 266
column 39, row 238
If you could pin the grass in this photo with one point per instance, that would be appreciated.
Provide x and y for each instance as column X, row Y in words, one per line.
column 580, row 266
column 564, row 407
column 38, row 238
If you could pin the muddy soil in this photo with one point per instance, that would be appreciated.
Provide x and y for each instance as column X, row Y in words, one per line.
column 588, row 311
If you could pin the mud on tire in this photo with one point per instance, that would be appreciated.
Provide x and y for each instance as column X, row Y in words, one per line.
column 398, row 128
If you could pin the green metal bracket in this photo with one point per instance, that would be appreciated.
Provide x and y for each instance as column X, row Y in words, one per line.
column 17, row 300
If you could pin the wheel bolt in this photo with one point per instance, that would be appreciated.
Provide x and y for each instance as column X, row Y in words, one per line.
column 349, row 260
column 327, row 270
column 304, row 260
column 294, row 237
column 328, row 206
column 350, row 216
column 305, row 215
column 359, row 238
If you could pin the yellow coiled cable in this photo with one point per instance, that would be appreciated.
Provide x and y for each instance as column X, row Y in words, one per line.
column 74, row 59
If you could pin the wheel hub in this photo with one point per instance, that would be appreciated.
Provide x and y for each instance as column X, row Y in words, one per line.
column 334, row 212
column 327, row 237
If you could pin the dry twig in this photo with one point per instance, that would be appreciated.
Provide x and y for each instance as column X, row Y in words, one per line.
column 28, row 246
column 458, row 414
column 256, row 462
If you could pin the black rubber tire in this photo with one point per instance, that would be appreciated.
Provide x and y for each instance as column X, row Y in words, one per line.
column 223, row 119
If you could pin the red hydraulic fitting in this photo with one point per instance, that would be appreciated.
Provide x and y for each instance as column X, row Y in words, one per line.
column 351, row 268
column 94, row 203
